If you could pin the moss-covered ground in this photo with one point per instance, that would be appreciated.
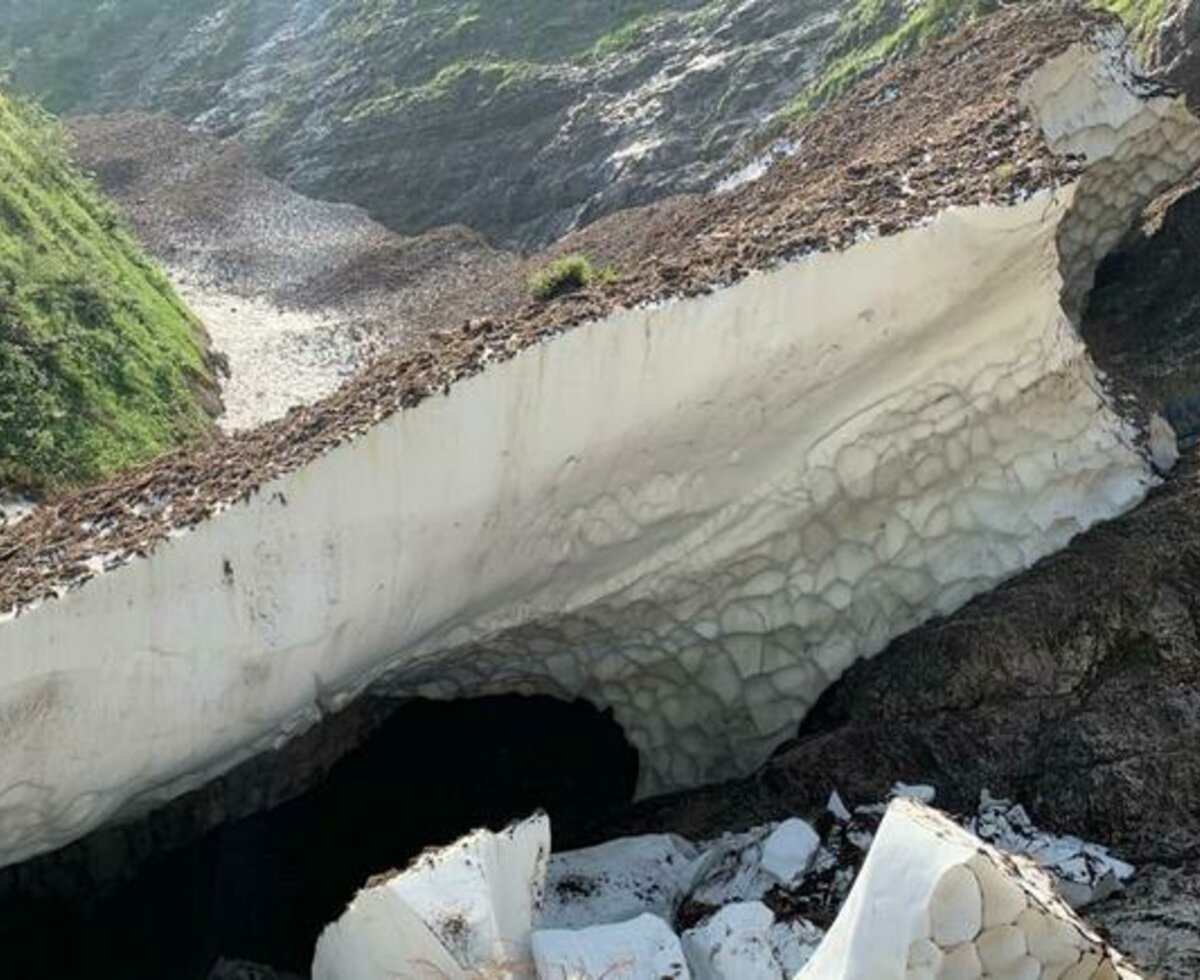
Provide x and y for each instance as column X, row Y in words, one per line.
column 101, row 366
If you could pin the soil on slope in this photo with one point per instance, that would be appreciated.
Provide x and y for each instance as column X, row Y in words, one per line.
column 916, row 139
column 299, row 295
column 202, row 206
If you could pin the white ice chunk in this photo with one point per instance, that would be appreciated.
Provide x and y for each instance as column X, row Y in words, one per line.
column 464, row 909
column 918, row 908
column 617, row 881
column 735, row 944
column 914, row 791
column 1164, row 445
column 837, row 807
column 1084, row 872
column 788, row 853
column 644, row 948
column 794, row 942
column 730, row 869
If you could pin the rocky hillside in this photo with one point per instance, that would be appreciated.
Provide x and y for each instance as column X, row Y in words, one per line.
column 520, row 119
column 100, row 364
column 523, row 119
column 296, row 294
column 874, row 33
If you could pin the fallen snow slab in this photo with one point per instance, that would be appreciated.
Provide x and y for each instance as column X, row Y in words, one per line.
column 735, row 944
column 617, row 881
column 458, row 912
column 789, row 852
column 933, row 901
column 794, row 943
column 730, row 869
column 644, row 948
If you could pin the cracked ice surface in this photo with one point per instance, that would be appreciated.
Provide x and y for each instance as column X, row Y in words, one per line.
column 697, row 515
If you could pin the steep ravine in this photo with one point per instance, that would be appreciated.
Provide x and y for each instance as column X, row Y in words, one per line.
column 518, row 119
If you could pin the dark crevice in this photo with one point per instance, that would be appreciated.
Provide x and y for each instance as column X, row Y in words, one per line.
column 261, row 888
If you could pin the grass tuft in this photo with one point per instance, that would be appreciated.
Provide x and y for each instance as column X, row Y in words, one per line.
column 566, row 275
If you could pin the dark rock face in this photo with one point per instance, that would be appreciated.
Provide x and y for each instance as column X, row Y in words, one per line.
column 1177, row 50
column 1159, row 917
column 1151, row 279
column 521, row 120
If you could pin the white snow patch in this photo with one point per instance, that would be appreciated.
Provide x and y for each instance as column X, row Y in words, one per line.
column 278, row 359
column 759, row 167
column 640, row 949
column 14, row 508
column 734, row 943
column 788, row 852
column 1084, row 872
column 463, row 910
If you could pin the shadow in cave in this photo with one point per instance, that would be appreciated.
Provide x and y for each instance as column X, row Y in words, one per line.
column 262, row 888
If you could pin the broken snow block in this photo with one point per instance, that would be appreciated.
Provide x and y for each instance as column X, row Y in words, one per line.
column 735, row 944
column 933, row 902
column 457, row 912
column 617, row 881
column 641, row 948
column 789, row 852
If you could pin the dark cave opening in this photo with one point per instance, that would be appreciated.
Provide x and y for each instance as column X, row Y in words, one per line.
column 262, row 888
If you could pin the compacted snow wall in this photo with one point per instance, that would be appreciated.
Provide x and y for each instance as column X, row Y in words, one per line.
column 698, row 514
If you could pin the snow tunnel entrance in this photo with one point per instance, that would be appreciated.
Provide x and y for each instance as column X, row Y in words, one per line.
column 261, row 888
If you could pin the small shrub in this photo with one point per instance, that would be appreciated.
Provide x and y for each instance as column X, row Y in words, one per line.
column 566, row 275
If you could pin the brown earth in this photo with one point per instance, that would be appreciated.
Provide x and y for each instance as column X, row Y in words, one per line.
column 209, row 214
column 913, row 140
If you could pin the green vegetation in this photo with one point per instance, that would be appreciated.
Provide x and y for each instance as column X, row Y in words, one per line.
column 488, row 77
column 1142, row 17
column 566, row 275
column 873, row 33
column 57, row 49
column 100, row 364
column 876, row 32
column 625, row 37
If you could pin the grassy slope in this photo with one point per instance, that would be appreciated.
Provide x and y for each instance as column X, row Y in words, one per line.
column 100, row 364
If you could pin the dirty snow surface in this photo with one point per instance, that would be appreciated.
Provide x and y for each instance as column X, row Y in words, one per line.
column 275, row 359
